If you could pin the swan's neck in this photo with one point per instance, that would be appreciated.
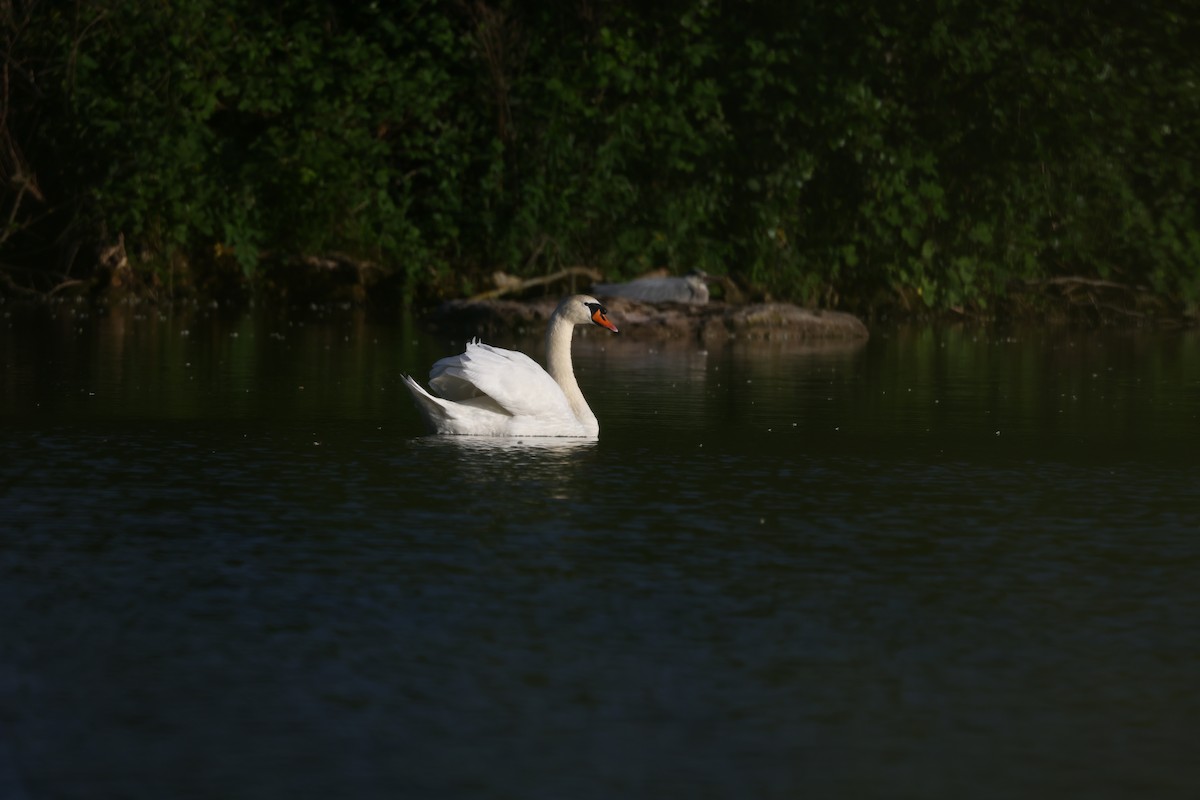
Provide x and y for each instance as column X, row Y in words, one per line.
column 558, row 364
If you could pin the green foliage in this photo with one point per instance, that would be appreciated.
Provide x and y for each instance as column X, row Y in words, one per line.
column 241, row 130
column 614, row 142
column 949, row 152
column 934, row 155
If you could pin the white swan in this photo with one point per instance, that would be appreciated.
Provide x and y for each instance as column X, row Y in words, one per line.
column 489, row 391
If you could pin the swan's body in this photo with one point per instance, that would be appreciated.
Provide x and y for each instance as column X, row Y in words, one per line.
column 490, row 391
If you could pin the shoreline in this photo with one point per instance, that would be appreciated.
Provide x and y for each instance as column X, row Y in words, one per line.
column 712, row 321
column 703, row 323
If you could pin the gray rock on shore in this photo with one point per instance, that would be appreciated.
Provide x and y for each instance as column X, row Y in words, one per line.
column 708, row 323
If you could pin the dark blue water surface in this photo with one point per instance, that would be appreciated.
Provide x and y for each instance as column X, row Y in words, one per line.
column 947, row 563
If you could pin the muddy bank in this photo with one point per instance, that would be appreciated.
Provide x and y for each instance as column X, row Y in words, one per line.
column 708, row 323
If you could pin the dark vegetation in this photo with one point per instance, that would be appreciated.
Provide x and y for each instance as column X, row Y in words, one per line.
column 991, row 158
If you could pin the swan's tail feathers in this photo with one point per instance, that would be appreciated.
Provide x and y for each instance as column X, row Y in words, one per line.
column 430, row 407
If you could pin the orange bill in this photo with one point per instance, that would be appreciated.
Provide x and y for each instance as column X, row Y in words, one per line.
column 600, row 317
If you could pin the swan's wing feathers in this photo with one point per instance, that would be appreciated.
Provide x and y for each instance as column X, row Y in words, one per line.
column 513, row 381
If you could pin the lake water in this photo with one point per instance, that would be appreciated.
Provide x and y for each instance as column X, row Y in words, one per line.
column 951, row 562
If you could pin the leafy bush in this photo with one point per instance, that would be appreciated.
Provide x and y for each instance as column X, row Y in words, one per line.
column 842, row 154
column 237, row 129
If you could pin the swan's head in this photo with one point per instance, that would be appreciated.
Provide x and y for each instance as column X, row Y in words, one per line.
column 582, row 309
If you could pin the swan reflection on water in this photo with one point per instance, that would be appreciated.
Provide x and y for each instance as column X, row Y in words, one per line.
column 535, row 468
column 515, row 445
